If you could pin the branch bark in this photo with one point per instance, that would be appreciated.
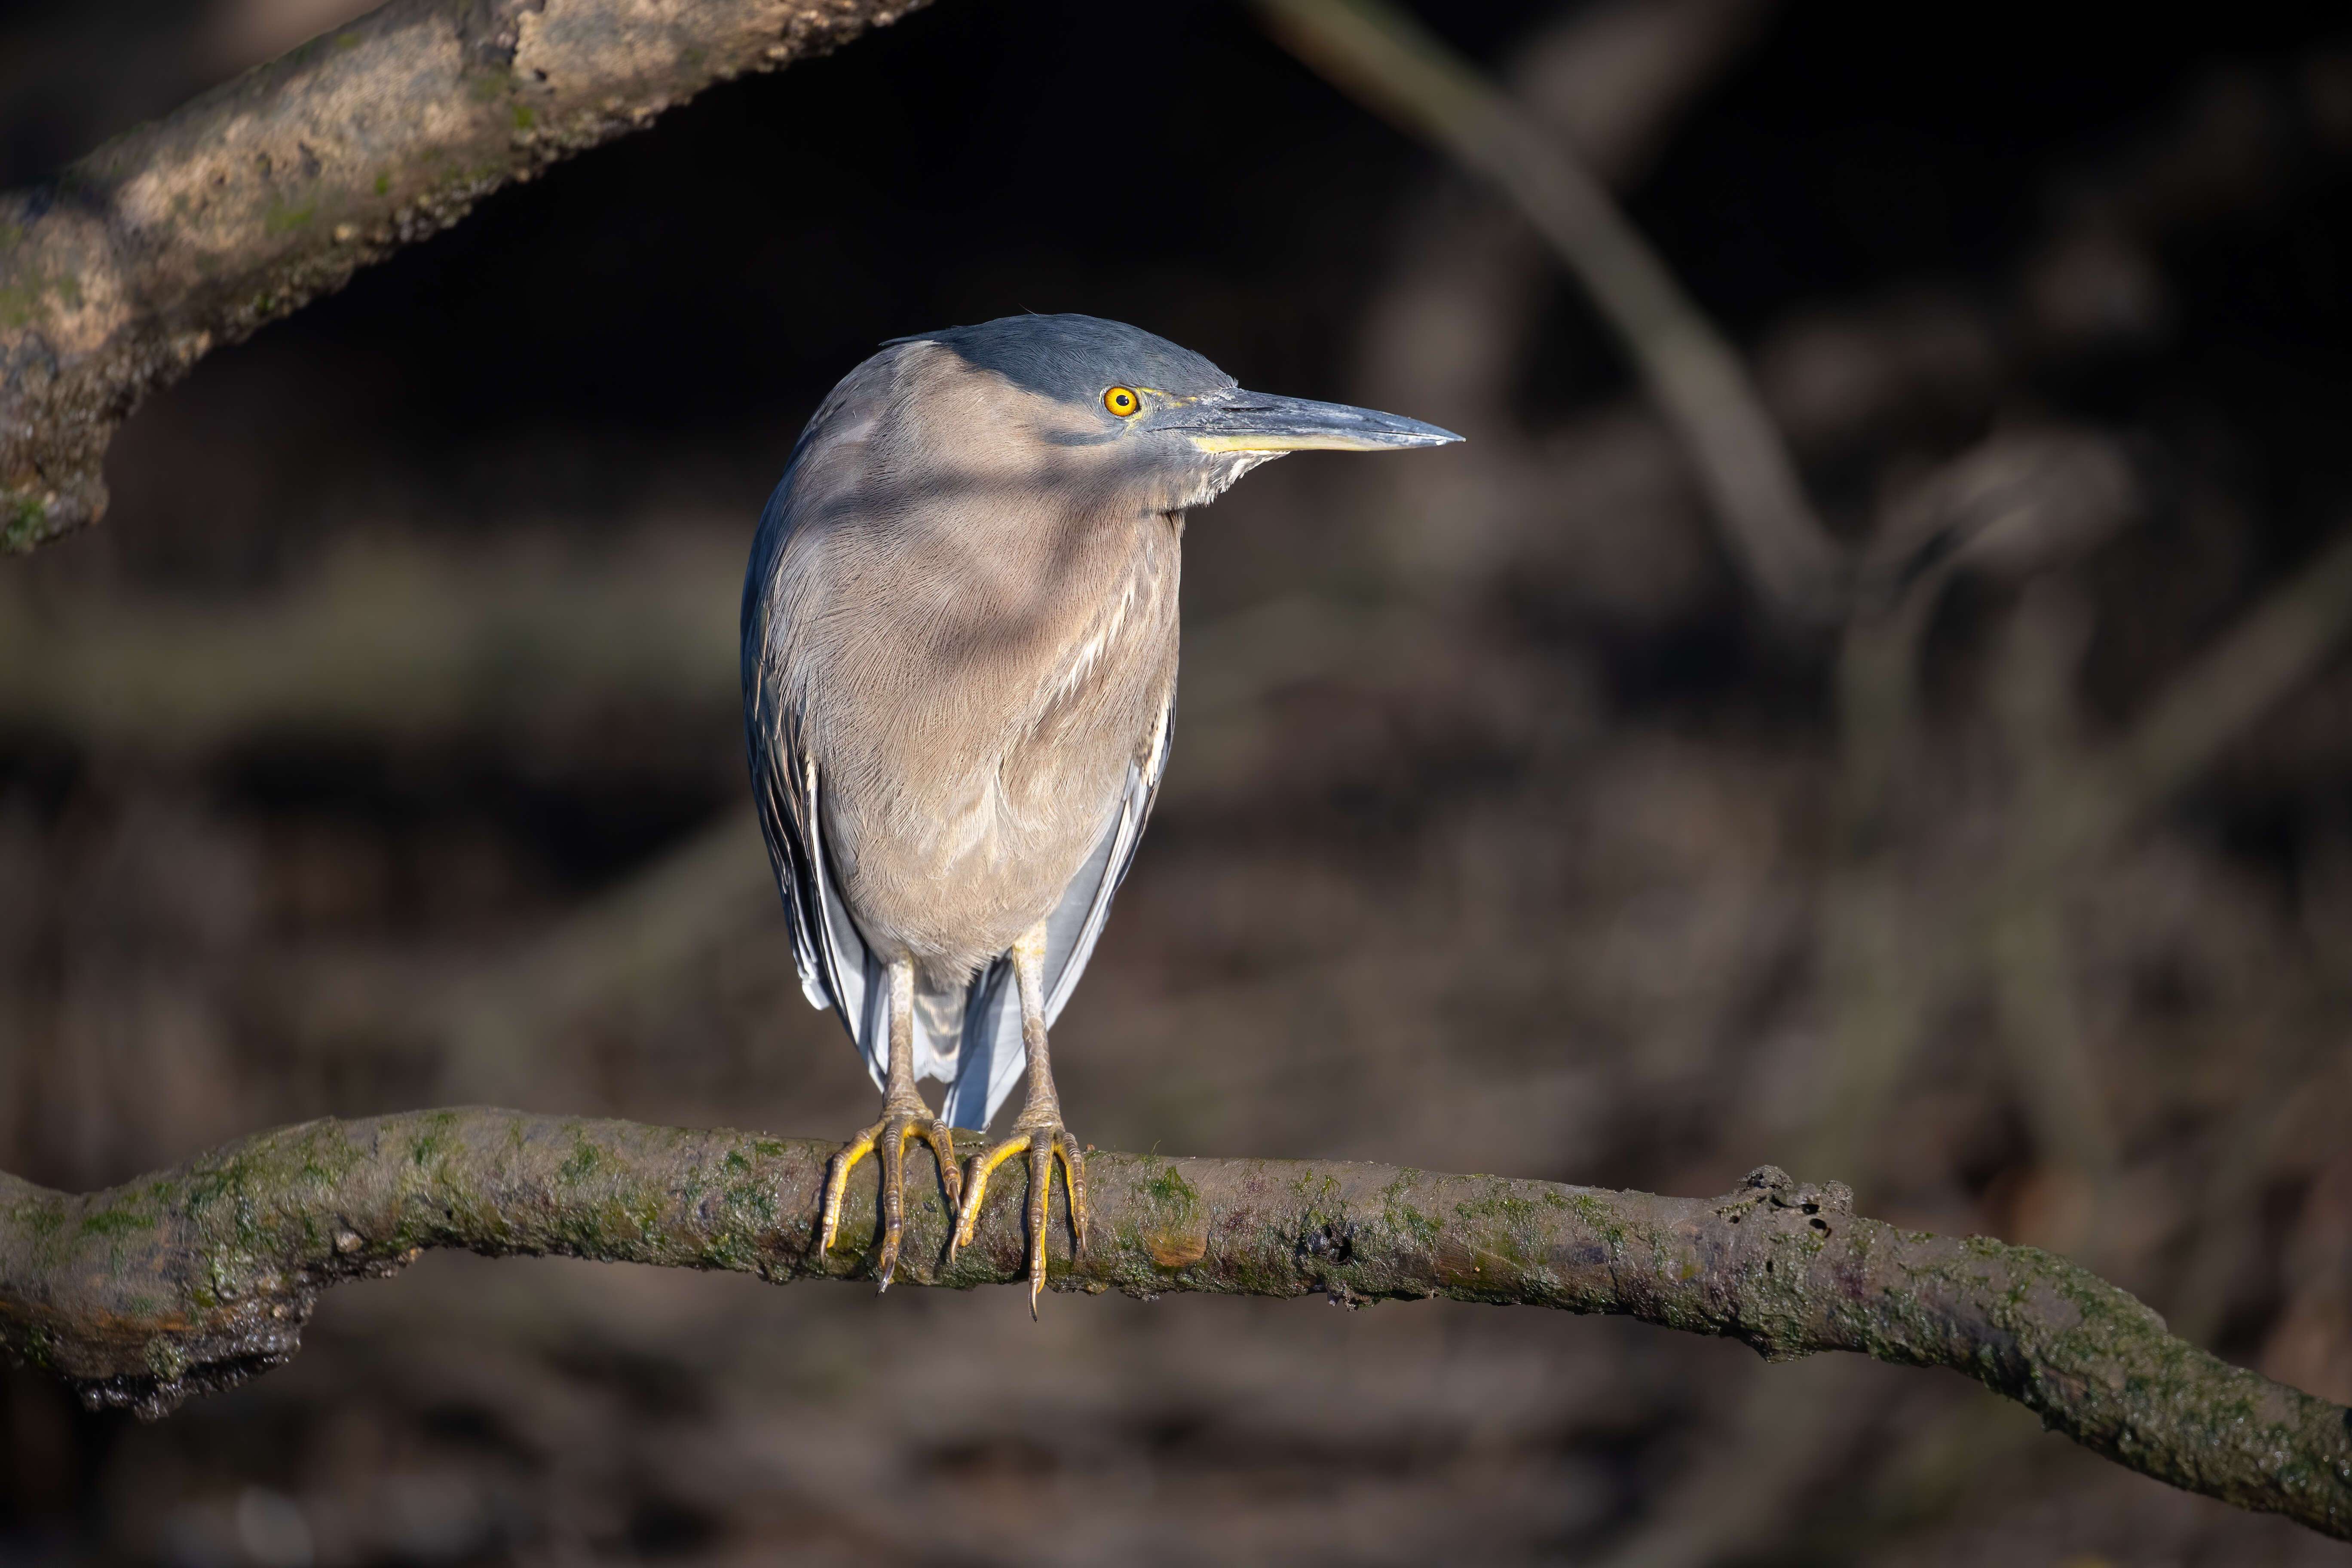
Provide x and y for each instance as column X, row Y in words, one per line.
column 258, row 196
column 196, row 1278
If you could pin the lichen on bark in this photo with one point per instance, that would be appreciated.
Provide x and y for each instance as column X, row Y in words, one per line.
column 252, row 199
column 196, row 1278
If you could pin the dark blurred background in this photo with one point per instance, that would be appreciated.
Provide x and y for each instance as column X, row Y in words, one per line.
column 380, row 750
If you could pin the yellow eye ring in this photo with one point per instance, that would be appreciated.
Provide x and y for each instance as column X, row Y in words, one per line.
column 1122, row 401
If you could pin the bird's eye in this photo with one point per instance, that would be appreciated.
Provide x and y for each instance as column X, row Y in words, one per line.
column 1121, row 401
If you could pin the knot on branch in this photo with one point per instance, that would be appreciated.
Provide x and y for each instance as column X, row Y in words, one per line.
column 1770, row 1187
column 1333, row 1242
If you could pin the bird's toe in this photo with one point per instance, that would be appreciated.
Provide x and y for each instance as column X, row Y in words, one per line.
column 887, row 1140
column 1046, row 1143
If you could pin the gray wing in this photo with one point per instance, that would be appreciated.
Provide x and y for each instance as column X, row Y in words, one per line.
column 992, row 1057
column 836, row 968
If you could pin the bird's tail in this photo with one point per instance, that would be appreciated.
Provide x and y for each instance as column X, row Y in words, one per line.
column 938, row 1030
column 987, row 1058
column 967, row 1037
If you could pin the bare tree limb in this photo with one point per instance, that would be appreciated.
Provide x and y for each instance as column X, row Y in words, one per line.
column 2271, row 651
column 386, row 637
column 196, row 1278
column 262, row 194
column 1381, row 56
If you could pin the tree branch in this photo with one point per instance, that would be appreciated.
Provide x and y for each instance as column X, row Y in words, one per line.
column 260, row 196
column 1382, row 56
column 196, row 1278
column 2273, row 648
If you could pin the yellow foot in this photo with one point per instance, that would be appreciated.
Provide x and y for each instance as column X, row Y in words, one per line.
column 1045, row 1140
column 902, row 1119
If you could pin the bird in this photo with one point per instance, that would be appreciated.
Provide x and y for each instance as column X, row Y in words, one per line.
column 959, row 666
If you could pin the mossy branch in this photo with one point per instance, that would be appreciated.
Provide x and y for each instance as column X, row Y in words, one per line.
column 196, row 1278
column 258, row 196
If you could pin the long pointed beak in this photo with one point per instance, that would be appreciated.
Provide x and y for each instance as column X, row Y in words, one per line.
column 1241, row 421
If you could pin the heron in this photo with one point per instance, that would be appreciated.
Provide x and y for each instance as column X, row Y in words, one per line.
column 959, row 662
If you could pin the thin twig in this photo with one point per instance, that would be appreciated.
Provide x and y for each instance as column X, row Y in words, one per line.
column 1382, row 56
column 2273, row 649
column 496, row 1029
column 2027, row 940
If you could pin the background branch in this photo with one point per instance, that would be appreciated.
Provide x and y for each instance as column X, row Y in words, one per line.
column 196, row 1278
column 1381, row 56
column 271, row 189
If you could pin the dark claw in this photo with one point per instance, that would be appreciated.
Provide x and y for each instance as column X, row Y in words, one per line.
column 1044, row 1140
column 1041, row 1193
column 1074, row 1172
column 892, row 1147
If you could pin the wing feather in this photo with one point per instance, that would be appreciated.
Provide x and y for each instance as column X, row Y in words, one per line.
column 836, row 968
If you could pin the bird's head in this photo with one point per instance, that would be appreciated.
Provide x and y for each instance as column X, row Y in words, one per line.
column 1105, row 394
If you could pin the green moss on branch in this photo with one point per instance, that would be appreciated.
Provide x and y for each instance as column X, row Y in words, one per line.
column 197, row 1278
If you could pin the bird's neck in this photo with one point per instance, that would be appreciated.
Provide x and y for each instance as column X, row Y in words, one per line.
column 1124, row 616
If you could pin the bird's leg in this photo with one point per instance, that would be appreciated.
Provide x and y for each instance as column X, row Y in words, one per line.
column 904, row 1116
column 1036, row 1132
